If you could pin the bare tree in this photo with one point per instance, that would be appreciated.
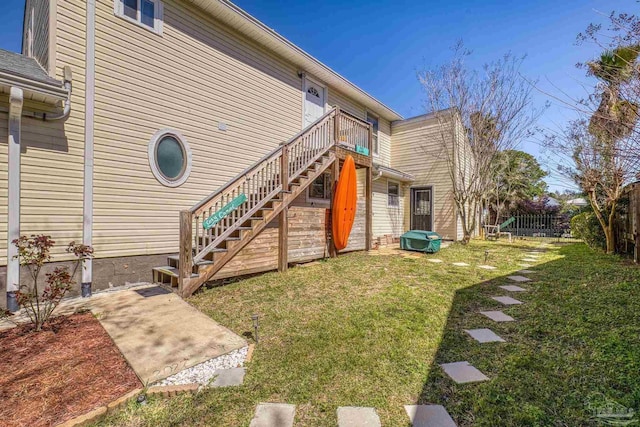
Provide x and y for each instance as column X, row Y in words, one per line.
column 601, row 167
column 480, row 113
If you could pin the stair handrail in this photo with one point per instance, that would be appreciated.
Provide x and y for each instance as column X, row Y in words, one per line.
column 258, row 162
column 257, row 185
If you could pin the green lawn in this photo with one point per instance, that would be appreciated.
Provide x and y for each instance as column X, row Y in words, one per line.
column 365, row 330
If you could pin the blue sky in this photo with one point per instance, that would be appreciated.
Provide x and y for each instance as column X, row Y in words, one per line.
column 379, row 45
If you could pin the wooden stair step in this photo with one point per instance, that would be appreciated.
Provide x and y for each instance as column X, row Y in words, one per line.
column 170, row 271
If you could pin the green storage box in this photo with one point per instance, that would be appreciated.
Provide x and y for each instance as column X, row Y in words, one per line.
column 421, row 241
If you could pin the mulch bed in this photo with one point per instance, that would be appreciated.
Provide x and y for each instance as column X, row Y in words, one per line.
column 68, row 369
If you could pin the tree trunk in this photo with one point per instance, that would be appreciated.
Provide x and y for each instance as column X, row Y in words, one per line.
column 611, row 243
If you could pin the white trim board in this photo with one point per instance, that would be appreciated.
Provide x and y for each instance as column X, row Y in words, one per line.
column 90, row 98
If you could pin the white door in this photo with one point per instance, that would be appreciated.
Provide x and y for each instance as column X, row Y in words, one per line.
column 313, row 102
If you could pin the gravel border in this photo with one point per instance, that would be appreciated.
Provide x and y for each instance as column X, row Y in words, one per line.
column 203, row 373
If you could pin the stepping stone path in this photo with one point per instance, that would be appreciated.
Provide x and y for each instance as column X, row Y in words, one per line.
column 487, row 267
column 519, row 278
column 525, row 271
column 497, row 316
column 429, row 416
column 507, row 300
column 463, row 372
column 274, row 415
column 484, row 335
column 525, row 265
column 513, row 288
column 228, row 377
column 435, row 260
column 351, row 416
column 460, row 264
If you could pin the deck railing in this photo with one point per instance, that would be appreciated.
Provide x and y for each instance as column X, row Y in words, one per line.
column 353, row 134
column 207, row 224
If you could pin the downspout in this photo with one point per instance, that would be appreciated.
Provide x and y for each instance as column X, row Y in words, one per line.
column 49, row 117
column 16, row 100
column 378, row 174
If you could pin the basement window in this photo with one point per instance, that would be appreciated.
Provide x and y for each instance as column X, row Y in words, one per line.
column 320, row 188
column 393, row 192
column 145, row 13
column 169, row 158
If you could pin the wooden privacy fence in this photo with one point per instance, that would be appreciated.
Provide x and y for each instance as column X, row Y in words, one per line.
column 538, row 226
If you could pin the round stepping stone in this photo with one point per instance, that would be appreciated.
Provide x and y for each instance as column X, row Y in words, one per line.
column 487, row 267
column 497, row 316
column 429, row 416
column 351, row 416
column 463, row 372
column 460, row 264
column 507, row 300
column 525, row 265
column 434, row 260
column 525, row 271
column 228, row 377
column 529, row 260
column 519, row 278
column 274, row 415
column 513, row 288
column 484, row 335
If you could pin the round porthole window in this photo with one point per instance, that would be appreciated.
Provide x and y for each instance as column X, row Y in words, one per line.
column 170, row 157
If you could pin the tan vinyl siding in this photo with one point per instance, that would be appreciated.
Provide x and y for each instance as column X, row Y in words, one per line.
column 387, row 219
column 52, row 159
column 418, row 149
column 146, row 82
column 35, row 39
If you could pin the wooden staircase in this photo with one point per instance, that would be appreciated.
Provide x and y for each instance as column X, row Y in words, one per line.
column 244, row 206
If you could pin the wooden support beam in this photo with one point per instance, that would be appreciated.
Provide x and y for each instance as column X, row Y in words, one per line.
column 283, row 226
column 335, row 173
column 186, row 251
column 369, row 208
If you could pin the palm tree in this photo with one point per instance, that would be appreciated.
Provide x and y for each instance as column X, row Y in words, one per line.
column 615, row 117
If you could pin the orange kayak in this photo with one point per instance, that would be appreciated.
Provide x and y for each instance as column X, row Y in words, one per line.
column 344, row 204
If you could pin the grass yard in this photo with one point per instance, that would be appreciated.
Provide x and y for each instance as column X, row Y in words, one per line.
column 366, row 330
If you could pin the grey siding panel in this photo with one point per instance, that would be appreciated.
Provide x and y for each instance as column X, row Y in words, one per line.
column 36, row 31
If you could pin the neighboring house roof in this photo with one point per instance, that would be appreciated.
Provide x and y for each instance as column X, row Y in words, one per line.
column 578, row 202
column 25, row 72
column 251, row 27
column 388, row 172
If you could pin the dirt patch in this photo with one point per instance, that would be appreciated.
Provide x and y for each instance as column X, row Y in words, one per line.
column 64, row 371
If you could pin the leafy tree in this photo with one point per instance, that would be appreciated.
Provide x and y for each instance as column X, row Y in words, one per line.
column 516, row 176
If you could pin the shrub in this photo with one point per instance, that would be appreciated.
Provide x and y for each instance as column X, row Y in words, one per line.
column 586, row 226
column 34, row 252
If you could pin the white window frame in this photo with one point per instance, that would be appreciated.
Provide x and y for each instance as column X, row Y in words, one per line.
column 153, row 164
column 326, row 201
column 389, row 205
column 118, row 10
column 375, row 148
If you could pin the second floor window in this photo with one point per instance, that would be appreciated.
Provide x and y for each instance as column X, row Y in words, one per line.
column 374, row 124
column 146, row 13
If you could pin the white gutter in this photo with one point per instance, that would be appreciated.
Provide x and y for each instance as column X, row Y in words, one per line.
column 48, row 117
